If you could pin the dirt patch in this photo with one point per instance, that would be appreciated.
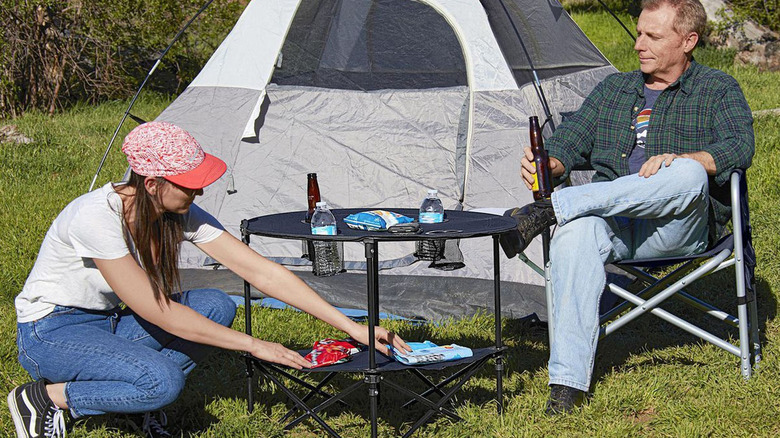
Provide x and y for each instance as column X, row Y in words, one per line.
column 11, row 134
column 643, row 416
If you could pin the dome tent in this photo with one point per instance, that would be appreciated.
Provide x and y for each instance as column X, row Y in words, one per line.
column 385, row 99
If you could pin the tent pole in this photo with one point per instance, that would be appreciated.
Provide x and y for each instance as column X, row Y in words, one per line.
column 618, row 19
column 138, row 92
column 536, row 82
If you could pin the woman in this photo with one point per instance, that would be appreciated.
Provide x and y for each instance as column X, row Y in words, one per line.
column 120, row 244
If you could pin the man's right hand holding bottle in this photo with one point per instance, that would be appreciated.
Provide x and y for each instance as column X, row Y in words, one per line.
column 528, row 169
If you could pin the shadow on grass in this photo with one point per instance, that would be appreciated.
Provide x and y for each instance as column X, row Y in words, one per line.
column 651, row 333
column 222, row 377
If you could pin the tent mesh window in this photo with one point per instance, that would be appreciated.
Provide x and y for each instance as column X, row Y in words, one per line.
column 543, row 32
column 370, row 45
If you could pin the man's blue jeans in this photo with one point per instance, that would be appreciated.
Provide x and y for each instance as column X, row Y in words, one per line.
column 115, row 361
column 599, row 223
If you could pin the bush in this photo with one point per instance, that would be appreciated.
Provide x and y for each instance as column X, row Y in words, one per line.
column 54, row 53
column 763, row 12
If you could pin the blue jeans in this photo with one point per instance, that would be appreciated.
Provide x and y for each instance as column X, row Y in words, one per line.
column 116, row 361
column 600, row 223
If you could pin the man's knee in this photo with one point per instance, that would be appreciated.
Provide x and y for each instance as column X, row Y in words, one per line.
column 574, row 231
column 690, row 174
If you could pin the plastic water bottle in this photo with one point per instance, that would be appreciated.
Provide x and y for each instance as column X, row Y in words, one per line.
column 431, row 209
column 322, row 221
column 327, row 259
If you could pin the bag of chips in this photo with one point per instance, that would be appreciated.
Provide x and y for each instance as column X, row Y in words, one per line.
column 427, row 352
column 375, row 220
column 331, row 351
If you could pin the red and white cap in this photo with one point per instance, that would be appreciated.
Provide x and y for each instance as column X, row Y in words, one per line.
column 166, row 150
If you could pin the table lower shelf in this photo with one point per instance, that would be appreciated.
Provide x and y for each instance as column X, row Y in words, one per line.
column 359, row 362
column 442, row 391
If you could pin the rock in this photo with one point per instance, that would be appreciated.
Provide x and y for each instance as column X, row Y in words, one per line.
column 765, row 55
column 755, row 44
column 11, row 134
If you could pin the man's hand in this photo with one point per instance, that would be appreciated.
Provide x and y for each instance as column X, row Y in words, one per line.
column 528, row 169
column 653, row 164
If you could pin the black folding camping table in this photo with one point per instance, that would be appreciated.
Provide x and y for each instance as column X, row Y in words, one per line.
column 371, row 364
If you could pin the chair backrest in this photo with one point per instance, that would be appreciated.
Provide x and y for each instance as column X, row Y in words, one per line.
column 743, row 232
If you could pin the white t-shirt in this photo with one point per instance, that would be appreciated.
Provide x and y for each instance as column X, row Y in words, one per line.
column 89, row 227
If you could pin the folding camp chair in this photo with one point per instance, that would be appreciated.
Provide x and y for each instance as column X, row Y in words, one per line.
column 736, row 250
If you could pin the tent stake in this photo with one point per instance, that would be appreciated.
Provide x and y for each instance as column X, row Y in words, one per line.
column 138, row 92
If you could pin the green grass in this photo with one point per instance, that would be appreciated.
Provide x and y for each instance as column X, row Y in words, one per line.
column 651, row 380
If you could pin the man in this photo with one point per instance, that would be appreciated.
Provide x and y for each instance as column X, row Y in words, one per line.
column 663, row 141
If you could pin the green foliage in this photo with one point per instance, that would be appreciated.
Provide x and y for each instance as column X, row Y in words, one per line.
column 764, row 12
column 54, row 53
column 629, row 7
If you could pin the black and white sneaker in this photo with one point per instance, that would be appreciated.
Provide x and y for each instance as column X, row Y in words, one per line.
column 154, row 425
column 33, row 412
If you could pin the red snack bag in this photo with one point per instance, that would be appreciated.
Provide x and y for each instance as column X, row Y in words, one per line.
column 330, row 351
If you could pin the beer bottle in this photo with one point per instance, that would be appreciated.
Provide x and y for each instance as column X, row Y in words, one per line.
column 542, row 186
column 313, row 192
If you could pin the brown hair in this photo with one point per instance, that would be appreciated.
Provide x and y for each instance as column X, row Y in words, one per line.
column 691, row 16
column 157, row 241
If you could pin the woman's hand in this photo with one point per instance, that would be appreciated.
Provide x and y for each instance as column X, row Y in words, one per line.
column 382, row 337
column 277, row 353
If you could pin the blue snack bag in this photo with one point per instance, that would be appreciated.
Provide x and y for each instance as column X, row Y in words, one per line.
column 375, row 220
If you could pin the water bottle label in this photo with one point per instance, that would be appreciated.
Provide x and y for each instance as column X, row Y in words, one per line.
column 431, row 218
column 327, row 230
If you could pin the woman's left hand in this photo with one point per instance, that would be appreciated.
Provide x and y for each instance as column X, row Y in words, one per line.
column 382, row 336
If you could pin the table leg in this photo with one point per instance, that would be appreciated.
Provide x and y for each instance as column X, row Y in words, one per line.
column 250, row 381
column 499, row 340
column 372, row 276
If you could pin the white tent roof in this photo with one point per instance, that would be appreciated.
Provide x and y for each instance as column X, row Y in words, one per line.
column 247, row 56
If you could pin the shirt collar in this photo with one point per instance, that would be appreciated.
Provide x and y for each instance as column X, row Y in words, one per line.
column 685, row 82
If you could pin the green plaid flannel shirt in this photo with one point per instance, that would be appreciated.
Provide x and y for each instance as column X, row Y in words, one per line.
column 704, row 110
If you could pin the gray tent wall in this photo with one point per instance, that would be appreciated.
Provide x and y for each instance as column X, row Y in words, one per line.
column 329, row 87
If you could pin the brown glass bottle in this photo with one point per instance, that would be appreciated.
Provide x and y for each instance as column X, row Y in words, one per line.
column 542, row 186
column 313, row 192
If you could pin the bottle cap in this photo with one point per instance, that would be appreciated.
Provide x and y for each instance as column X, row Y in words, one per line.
column 322, row 204
column 312, row 175
column 433, row 192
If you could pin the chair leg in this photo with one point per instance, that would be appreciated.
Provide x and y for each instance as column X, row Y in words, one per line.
column 754, row 332
column 548, row 289
column 744, row 341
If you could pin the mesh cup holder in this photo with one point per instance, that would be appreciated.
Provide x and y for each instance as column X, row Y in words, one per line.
column 327, row 258
column 432, row 250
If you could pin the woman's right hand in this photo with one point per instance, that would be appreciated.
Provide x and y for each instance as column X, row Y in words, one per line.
column 277, row 353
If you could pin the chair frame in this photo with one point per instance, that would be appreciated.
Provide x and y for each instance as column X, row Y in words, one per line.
column 731, row 252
